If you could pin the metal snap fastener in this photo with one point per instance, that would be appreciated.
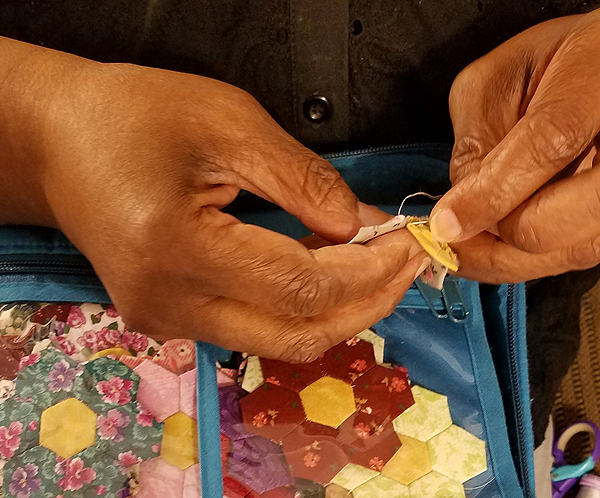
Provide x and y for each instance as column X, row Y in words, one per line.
column 317, row 109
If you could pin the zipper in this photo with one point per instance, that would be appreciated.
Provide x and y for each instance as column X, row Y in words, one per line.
column 73, row 265
column 516, row 391
column 384, row 148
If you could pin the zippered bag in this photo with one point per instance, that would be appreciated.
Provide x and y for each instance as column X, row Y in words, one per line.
column 466, row 343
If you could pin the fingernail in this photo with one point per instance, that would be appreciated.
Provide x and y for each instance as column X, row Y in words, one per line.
column 445, row 226
column 424, row 265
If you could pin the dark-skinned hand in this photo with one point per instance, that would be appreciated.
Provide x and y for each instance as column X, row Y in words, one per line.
column 526, row 196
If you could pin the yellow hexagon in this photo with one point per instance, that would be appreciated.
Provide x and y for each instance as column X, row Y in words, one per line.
column 457, row 454
column 409, row 463
column 328, row 401
column 438, row 485
column 179, row 445
column 429, row 415
column 67, row 428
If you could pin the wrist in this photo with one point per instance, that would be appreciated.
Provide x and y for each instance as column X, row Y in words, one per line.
column 30, row 79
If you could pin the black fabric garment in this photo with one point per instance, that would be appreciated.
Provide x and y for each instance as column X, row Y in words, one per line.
column 382, row 70
column 553, row 335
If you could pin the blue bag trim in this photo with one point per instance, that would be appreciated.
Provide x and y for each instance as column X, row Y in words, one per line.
column 490, row 396
column 209, row 428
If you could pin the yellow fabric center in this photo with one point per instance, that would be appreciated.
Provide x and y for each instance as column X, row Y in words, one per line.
column 180, row 441
column 68, row 428
column 328, row 401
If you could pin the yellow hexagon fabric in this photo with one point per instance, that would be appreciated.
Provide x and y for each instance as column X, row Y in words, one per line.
column 381, row 486
column 179, row 445
column 68, row 428
column 436, row 485
column 429, row 415
column 328, row 401
column 409, row 463
column 457, row 454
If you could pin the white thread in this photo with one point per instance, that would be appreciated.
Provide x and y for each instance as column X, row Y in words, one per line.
column 432, row 197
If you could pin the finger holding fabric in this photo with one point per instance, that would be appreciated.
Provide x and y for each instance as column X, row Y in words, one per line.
column 134, row 165
column 525, row 115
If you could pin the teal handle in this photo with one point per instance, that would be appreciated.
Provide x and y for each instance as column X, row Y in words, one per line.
column 572, row 471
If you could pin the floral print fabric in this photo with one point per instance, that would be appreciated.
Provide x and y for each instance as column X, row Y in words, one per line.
column 79, row 330
column 268, row 447
column 125, row 434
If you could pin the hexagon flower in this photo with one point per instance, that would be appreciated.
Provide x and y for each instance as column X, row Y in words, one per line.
column 71, row 427
column 312, row 410
column 358, row 427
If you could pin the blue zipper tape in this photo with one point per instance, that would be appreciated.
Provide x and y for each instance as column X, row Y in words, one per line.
column 209, row 438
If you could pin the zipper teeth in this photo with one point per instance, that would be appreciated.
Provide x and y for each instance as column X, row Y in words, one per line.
column 517, row 390
column 43, row 266
column 383, row 148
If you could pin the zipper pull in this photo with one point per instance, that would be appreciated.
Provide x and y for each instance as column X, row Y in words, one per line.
column 454, row 301
column 433, row 298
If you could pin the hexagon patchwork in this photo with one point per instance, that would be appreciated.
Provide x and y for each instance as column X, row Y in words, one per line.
column 383, row 392
column 328, row 401
column 19, row 427
column 367, row 441
column 457, row 454
column 315, row 457
column 111, row 382
column 126, row 428
column 179, row 445
column 187, row 396
column 381, row 486
column 258, row 464
column 429, row 415
column 377, row 341
column 272, row 411
column 159, row 479
column 352, row 476
column 232, row 425
column 409, row 463
column 348, row 360
column 68, row 428
column 50, row 377
column 335, row 491
column 191, row 482
column 438, row 485
column 158, row 391
column 253, row 376
column 23, row 474
column 293, row 376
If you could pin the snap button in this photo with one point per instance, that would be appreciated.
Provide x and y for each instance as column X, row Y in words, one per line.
column 317, row 109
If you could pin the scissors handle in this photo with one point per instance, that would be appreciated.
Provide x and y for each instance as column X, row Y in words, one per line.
column 565, row 472
column 565, row 476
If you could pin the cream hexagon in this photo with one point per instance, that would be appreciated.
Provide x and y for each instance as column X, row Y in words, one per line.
column 381, row 486
column 457, row 454
column 429, row 415
column 438, row 485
